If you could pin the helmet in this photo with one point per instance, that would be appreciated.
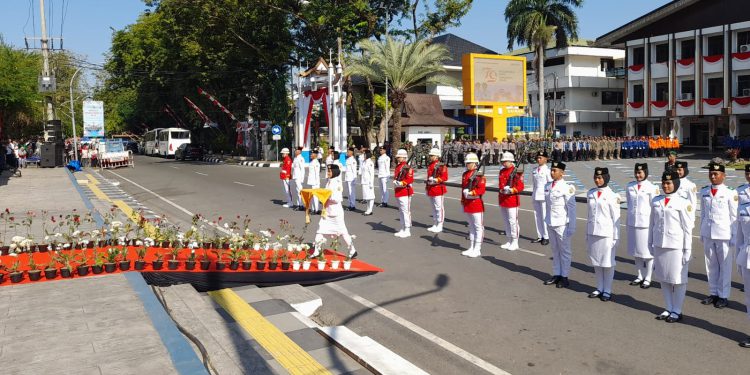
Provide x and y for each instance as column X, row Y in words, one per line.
column 507, row 156
column 284, row 150
column 471, row 158
column 434, row 152
column 401, row 153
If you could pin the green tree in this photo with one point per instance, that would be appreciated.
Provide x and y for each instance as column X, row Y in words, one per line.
column 18, row 89
column 406, row 65
column 536, row 23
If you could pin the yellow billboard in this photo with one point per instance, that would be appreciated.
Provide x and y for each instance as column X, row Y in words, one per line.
column 494, row 80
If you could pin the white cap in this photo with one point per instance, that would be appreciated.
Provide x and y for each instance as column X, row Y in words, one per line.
column 435, row 152
column 471, row 158
column 284, row 150
column 401, row 153
column 507, row 156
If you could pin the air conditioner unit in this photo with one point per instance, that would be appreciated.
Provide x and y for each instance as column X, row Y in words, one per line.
column 687, row 96
column 745, row 48
column 745, row 92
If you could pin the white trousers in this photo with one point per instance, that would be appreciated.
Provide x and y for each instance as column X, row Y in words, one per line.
column 404, row 211
column 352, row 186
column 604, row 278
column 314, row 203
column 287, row 191
column 383, row 189
column 438, row 214
column 297, row 192
column 719, row 266
column 540, row 211
column 674, row 296
column 746, row 279
column 510, row 216
column 476, row 227
column 561, row 252
column 644, row 268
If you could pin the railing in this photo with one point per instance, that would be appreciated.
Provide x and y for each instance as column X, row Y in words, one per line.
column 616, row 72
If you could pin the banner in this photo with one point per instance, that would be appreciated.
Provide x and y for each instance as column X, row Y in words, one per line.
column 93, row 119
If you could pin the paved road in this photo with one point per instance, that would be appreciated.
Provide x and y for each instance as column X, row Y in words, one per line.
column 492, row 312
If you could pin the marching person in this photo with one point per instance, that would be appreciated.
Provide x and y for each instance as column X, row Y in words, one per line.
column 384, row 172
column 670, row 240
column 472, row 188
column 743, row 248
column 687, row 188
column 602, row 233
column 540, row 177
column 639, row 194
column 403, row 177
column 350, row 176
column 298, row 175
column 437, row 175
column 286, row 175
column 313, row 179
column 718, row 219
column 332, row 224
column 560, row 217
column 368, row 182
column 510, row 185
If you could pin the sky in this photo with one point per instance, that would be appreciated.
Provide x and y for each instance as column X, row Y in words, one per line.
column 87, row 25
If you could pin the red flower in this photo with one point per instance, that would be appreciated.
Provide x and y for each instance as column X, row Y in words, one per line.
column 219, row 218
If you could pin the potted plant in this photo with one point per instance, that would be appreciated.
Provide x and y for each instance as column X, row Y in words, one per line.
column 205, row 260
column 274, row 261
column 334, row 262
column 110, row 263
column 66, row 271
column 306, row 262
column 98, row 266
column 124, row 263
column 260, row 265
column 34, row 272
column 173, row 263
column 284, row 260
column 83, row 265
column 16, row 276
column 321, row 261
column 296, row 262
column 348, row 262
column 140, row 263
column 220, row 263
column 234, row 259
column 247, row 263
column 50, row 271
column 158, row 263
column 190, row 262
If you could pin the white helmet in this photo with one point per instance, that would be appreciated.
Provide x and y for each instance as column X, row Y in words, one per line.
column 471, row 158
column 435, row 152
column 401, row 153
column 507, row 156
column 284, row 150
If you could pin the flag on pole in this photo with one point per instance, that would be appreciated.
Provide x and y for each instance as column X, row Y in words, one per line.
column 168, row 110
column 198, row 111
column 217, row 104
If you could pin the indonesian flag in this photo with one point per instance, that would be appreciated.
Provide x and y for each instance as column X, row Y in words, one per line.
column 217, row 104
column 197, row 110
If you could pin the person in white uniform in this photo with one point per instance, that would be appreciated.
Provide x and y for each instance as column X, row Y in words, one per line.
column 743, row 191
column 540, row 177
column 687, row 189
column 718, row 220
column 384, row 173
column 639, row 194
column 298, row 176
column 602, row 233
column 368, row 182
column 560, row 217
column 670, row 240
column 743, row 248
column 350, row 176
column 332, row 224
column 313, row 179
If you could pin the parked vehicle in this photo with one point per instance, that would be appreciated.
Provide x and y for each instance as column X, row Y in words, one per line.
column 168, row 140
column 190, row 151
column 150, row 140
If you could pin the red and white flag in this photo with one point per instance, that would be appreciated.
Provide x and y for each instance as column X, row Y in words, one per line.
column 198, row 111
column 216, row 103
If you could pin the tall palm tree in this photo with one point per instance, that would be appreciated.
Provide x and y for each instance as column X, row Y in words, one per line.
column 406, row 65
column 536, row 23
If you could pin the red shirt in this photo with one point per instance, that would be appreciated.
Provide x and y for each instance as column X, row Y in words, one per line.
column 405, row 190
column 441, row 175
column 473, row 205
column 512, row 199
column 286, row 168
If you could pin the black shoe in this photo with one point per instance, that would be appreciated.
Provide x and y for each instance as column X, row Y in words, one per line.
column 605, row 297
column 672, row 319
column 710, row 300
column 502, row 232
column 544, row 242
column 563, row 283
column 354, row 255
column 746, row 343
column 537, row 240
column 352, row 208
column 662, row 316
column 553, row 280
column 385, row 205
column 721, row 303
column 595, row 294
column 636, row 282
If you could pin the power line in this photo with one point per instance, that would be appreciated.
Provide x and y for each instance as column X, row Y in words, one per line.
column 64, row 15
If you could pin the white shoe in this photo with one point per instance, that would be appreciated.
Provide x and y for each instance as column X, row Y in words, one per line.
column 404, row 234
column 431, row 229
column 468, row 252
column 505, row 245
column 513, row 246
column 475, row 254
column 286, row 205
column 438, row 228
column 399, row 233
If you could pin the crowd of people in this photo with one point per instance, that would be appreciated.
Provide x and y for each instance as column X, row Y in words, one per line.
column 659, row 219
column 15, row 153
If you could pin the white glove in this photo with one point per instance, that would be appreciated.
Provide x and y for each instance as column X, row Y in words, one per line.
column 685, row 256
column 431, row 180
column 466, row 193
column 396, row 183
column 506, row 190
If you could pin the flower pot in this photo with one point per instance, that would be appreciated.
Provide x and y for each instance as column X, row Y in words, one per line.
column 35, row 275
column 256, row 246
column 16, row 277
column 157, row 264
column 124, row 265
column 234, row 265
column 205, row 265
column 335, row 264
column 306, row 265
column 347, row 264
column 173, row 264
column 246, row 265
column 221, row 265
column 50, row 273
column 260, row 265
column 206, row 245
column 285, row 266
column 140, row 264
column 82, row 269
column 190, row 265
column 2, row 277
column 66, row 272
column 97, row 269
column 272, row 265
column 110, row 267
column 296, row 265
column 90, row 245
column 321, row 265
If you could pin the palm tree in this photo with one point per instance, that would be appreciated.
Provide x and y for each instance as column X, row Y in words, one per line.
column 406, row 65
column 535, row 23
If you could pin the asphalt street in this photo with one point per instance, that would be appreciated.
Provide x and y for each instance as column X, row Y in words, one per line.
column 453, row 315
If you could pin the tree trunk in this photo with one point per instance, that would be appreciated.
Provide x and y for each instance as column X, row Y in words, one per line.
column 414, row 19
column 540, row 86
column 396, row 102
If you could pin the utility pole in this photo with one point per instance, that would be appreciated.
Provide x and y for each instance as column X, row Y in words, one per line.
column 47, row 81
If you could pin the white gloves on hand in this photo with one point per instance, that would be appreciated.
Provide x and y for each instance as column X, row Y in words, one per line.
column 431, row 180
column 685, row 256
column 507, row 190
column 396, row 183
column 467, row 193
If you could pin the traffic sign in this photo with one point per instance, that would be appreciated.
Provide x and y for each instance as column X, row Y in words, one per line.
column 276, row 130
column 276, row 137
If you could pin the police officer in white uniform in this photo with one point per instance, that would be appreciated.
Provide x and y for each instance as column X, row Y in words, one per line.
column 560, row 217
column 367, row 171
column 670, row 239
column 743, row 249
column 743, row 191
column 540, row 177
column 313, row 179
column 602, row 233
column 687, row 189
column 384, row 173
column 298, row 175
column 718, row 220
column 639, row 194
column 350, row 176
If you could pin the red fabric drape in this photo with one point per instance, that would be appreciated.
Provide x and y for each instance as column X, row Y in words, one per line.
column 712, row 101
column 635, row 105
column 685, row 62
column 741, row 55
column 659, row 103
column 636, row 68
column 316, row 96
column 713, row 58
column 686, row 103
column 742, row 101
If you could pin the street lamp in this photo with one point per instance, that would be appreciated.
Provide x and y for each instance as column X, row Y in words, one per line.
column 73, row 116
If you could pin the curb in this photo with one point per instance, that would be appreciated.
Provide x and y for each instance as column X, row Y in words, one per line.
column 213, row 160
column 258, row 164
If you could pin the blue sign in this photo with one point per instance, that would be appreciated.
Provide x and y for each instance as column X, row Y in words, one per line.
column 276, row 130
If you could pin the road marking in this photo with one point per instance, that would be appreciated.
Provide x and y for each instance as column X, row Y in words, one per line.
column 532, row 252
column 242, row 183
column 492, row 369
column 175, row 167
column 202, row 174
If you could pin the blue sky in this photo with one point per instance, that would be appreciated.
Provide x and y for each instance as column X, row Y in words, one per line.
column 87, row 23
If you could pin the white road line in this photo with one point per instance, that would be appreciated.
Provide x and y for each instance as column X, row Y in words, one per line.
column 492, row 369
column 242, row 183
column 202, row 174
column 532, row 252
column 175, row 167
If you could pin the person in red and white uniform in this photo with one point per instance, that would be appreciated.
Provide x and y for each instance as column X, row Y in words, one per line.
column 286, row 175
column 510, row 185
column 560, row 198
column 639, row 194
column 540, row 177
column 437, row 175
column 602, row 233
column 472, row 188
column 403, row 177
column 298, row 176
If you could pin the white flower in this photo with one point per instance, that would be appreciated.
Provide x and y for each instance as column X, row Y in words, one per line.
column 116, row 224
column 17, row 239
column 138, row 243
column 58, row 235
column 46, row 238
column 67, row 245
column 85, row 242
column 265, row 233
column 76, row 233
column 180, row 236
column 18, row 251
column 226, row 225
column 95, row 232
column 354, row 236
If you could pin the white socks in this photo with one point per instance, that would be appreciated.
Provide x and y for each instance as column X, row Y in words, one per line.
column 668, row 290
column 645, row 268
column 370, row 204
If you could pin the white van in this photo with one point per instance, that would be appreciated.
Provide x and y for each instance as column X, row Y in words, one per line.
column 170, row 139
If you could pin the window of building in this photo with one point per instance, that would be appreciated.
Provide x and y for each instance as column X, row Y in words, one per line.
column 637, row 93
column 558, row 95
column 715, row 45
column 687, row 87
column 554, row 61
column 715, row 88
column 662, row 92
column 743, row 39
column 687, row 49
column 743, row 85
column 662, row 53
column 639, row 58
column 612, row 98
column 606, row 64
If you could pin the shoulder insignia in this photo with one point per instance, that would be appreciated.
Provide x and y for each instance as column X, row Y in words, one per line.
column 689, row 208
column 657, row 191
column 736, row 198
column 619, row 200
column 572, row 190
